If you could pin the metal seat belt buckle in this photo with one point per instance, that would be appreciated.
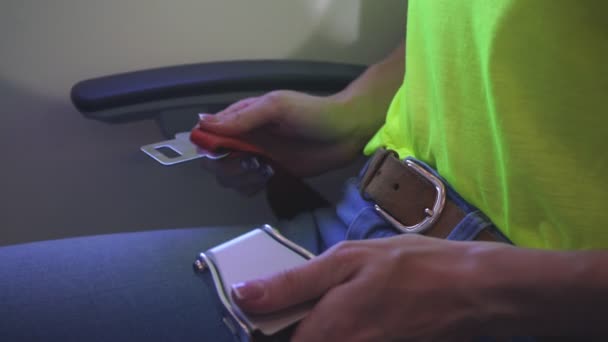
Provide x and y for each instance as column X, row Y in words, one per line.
column 199, row 144
column 256, row 254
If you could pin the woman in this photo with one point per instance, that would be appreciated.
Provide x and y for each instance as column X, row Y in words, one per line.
column 502, row 99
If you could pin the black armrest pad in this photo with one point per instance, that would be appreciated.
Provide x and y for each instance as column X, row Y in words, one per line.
column 137, row 87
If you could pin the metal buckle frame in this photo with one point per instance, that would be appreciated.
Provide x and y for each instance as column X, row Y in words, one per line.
column 238, row 323
column 432, row 215
column 181, row 145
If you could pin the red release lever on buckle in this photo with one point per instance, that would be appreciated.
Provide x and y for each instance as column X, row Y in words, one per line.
column 220, row 143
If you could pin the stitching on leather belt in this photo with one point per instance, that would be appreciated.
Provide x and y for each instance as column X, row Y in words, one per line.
column 405, row 195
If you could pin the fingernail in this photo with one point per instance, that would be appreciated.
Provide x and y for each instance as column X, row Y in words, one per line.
column 248, row 291
column 207, row 117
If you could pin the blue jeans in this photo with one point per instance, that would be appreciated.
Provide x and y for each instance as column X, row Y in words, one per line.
column 140, row 286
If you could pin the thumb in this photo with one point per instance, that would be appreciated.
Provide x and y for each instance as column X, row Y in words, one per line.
column 241, row 117
column 288, row 288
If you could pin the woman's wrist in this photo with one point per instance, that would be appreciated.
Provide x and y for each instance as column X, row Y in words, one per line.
column 491, row 287
column 356, row 113
column 362, row 106
column 535, row 292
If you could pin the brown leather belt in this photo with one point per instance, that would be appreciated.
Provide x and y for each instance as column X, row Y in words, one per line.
column 412, row 199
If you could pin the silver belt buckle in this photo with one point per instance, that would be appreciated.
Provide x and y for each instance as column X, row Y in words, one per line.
column 432, row 214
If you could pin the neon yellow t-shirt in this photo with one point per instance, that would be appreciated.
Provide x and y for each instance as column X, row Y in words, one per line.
column 508, row 100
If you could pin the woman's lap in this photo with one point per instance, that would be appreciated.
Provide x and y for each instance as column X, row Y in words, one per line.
column 119, row 287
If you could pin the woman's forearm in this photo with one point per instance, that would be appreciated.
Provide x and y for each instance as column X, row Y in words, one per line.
column 546, row 293
column 364, row 103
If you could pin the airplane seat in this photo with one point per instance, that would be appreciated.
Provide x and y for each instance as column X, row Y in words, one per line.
column 173, row 96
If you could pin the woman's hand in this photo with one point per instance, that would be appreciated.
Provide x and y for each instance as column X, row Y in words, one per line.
column 404, row 288
column 307, row 135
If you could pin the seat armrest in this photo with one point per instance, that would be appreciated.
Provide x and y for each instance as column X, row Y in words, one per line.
column 145, row 94
column 175, row 95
